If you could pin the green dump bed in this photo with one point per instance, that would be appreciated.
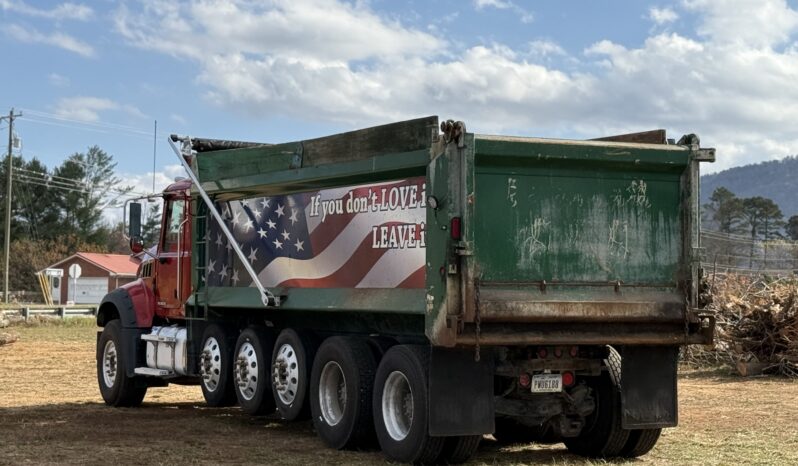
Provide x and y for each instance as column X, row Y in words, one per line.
column 469, row 239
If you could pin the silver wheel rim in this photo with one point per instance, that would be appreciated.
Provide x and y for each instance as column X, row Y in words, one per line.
column 247, row 371
column 211, row 364
column 332, row 393
column 397, row 405
column 285, row 374
column 110, row 362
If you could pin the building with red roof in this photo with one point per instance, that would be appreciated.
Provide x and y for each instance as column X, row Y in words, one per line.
column 99, row 274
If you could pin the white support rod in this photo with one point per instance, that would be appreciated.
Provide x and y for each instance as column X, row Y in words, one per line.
column 267, row 297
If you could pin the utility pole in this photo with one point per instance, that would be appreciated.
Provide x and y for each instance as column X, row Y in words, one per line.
column 11, row 116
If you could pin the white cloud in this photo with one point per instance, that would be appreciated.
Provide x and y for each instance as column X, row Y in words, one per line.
column 738, row 94
column 142, row 183
column 524, row 15
column 62, row 11
column 662, row 15
column 57, row 80
column 88, row 109
column 56, row 39
column 179, row 119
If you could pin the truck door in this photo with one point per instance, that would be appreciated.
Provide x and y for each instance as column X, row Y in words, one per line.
column 170, row 274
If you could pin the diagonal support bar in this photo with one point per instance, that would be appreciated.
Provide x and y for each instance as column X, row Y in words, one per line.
column 268, row 298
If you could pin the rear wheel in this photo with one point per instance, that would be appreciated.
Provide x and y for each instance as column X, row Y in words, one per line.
column 641, row 441
column 216, row 360
column 602, row 435
column 401, row 406
column 342, row 384
column 290, row 373
column 116, row 388
column 251, row 371
column 459, row 449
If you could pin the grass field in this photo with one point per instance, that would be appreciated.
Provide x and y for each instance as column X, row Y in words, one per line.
column 51, row 412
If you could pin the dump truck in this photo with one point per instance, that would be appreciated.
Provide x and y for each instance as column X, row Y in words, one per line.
column 415, row 286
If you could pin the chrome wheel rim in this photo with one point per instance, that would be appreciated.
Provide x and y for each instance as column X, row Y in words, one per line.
column 332, row 393
column 397, row 405
column 110, row 362
column 247, row 371
column 211, row 364
column 285, row 374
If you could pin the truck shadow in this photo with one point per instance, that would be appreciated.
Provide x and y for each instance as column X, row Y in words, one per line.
column 182, row 432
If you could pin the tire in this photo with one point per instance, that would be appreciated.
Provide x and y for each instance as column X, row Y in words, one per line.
column 401, row 383
column 343, row 366
column 216, row 367
column 458, row 450
column 641, row 441
column 251, row 371
column 116, row 388
column 602, row 435
column 290, row 373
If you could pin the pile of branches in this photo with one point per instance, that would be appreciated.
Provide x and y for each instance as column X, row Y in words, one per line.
column 757, row 325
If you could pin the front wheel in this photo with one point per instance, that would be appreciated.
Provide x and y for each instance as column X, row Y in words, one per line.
column 216, row 361
column 116, row 388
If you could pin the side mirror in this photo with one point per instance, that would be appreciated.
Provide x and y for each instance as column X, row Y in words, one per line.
column 136, row 244
column 134, row 222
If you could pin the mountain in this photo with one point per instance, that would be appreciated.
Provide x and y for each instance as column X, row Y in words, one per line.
column 775, row 179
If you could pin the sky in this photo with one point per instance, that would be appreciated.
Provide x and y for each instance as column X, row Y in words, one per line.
column 102, row 72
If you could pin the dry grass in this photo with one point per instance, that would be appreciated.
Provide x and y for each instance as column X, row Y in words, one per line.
column 51, row 412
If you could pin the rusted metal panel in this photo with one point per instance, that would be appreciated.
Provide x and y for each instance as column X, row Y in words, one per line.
column 656, row 136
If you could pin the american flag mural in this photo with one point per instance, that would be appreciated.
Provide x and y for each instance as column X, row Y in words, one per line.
column 365, row 236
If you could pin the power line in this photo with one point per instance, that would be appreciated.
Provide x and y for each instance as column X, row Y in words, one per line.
column 97, row 123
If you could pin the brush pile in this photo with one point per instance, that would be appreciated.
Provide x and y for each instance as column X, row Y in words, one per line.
column 757, row 325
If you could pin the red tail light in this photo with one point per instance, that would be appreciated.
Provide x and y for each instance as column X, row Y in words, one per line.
column 558, row 352
column 542, row 353
column 574, row 351
column 524, row 380
column 455, row 228
column 568, row 378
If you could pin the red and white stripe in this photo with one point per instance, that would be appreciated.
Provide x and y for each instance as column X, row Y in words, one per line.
column 343, row 253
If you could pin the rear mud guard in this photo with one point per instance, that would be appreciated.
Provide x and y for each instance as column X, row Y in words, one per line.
column 460, row 392
column 648, row 386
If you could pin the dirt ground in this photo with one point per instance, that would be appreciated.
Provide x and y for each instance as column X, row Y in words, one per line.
column 51, row 412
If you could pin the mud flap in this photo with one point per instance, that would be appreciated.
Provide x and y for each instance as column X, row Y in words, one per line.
column 460, row 392
column 648, row 386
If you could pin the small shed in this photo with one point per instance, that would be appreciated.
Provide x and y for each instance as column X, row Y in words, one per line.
column 100, row 273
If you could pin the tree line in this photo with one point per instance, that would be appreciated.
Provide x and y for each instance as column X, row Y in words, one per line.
column 60, row 211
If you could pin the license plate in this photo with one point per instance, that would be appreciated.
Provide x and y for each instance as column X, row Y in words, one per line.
column 546, row 383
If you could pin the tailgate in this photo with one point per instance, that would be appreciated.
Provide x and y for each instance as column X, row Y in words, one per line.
column 577, row 233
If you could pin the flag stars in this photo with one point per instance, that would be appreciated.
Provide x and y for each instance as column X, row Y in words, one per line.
column 280, row 210
column 253, row 255
column 211, row 267
column 271, row 224
column 237, row 218
column 299, row 245
column 265, row 203
column 293, row 218
column 277, row 244
column 223, row 272
column 235, row 278
column 263, row 233
column 248, row 225
column 219, row 241
column 286, row 236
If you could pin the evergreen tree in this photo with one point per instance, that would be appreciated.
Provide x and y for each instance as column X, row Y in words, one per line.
column 725, row 210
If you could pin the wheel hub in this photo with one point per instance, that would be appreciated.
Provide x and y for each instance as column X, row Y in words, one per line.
column 246, row 371
column 109, row 363
column 211, row 364
column 285, row 374
column 332, row 393
column 397, row 405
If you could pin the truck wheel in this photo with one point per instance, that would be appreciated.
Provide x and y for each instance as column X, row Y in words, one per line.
column 290, row 369
column 116, row 388
column 342, row 384
column 401, row 406
column 457, row 450
column 216, row 360
column 640, row 442
column 602, row 435
column 251, row 371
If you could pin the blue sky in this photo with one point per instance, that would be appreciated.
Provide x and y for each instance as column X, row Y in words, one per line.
column 101, row 72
